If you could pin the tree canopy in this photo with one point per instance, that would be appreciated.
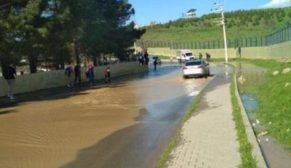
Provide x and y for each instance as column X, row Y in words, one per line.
column 56, row 30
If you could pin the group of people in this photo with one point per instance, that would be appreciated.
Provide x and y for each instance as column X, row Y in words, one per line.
column 9, row 73
column 90, row 75
column 208, row 56
column 143, row 59
column 77, row 73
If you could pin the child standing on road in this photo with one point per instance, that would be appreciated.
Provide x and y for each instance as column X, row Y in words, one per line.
column 90, row 74
column 107, row 75
column 68, row 73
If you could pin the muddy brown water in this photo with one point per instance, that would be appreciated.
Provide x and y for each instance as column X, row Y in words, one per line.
column 125, row 124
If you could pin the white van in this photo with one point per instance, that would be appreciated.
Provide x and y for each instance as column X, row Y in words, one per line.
column 184, row 55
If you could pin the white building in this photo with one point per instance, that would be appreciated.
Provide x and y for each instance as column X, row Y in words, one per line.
column 191, row 13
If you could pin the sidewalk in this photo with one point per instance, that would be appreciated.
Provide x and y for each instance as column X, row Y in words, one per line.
column 208, row 138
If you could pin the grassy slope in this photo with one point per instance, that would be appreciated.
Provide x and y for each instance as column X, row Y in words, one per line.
column 252, row 23
column 274, row 100
column 210, row 34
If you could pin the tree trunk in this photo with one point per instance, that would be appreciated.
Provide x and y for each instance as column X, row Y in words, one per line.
column 3, row 64
column 77, row 52
column 33, row 63
column 95, row 60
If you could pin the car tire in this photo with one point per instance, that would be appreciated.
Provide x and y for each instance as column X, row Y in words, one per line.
column 185, row 77
column 206, row 74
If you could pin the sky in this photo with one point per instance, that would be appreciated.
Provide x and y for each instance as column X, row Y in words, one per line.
column 162, row 11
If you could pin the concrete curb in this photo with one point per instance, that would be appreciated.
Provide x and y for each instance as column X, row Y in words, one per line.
column 256, row 150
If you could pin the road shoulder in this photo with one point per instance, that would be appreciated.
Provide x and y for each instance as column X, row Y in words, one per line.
column 208, row 138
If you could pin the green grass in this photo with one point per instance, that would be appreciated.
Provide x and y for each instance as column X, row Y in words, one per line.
column 175, row 140
column 164, row 57
column 239, row 24
column 274, row 99
column 206, row 34
column 166, row 154
column 245, row 147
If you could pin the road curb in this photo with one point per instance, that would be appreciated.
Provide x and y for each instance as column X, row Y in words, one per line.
column 256, row 150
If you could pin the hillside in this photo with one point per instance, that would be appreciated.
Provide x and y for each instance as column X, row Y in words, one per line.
column 244, row 23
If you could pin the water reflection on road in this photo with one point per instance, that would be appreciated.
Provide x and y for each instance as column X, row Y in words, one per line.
column 163, row 97
column 125, row 124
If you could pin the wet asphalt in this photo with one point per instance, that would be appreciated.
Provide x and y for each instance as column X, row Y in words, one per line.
column 157, row 101
column 165, row 97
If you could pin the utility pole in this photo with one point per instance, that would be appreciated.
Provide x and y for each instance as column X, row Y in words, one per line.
column 219, row 8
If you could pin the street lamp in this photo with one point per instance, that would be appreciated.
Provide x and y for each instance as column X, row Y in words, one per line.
column 219, row 8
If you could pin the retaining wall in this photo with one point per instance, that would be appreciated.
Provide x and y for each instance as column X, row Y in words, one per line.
column 56, row 78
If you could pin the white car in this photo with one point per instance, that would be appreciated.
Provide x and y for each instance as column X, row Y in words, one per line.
column 196, row 68
column 184, row 55
column 187, row 57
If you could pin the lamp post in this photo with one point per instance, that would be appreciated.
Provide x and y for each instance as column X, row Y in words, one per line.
column 219, row 8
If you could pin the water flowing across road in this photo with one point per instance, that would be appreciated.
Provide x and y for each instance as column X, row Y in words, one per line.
column 124, row 124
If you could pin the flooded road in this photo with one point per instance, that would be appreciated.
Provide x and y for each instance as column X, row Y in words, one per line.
column 125, row 124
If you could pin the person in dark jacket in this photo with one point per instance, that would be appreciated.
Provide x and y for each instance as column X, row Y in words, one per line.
column 77, row 71
column 155, row 63
column 146, row 58
column 208, row 56
column 9, row 73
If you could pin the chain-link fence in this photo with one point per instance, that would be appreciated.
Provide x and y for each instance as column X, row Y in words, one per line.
column 274, row 38
column 279, row 36
column 215, row 44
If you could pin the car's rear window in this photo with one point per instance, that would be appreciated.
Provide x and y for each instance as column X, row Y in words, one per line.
column 188, row 54
column 193, row 63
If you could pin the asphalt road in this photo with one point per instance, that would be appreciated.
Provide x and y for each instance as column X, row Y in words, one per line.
column 125, row 124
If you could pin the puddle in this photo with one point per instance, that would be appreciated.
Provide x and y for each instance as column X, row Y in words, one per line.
column 274, row 153
column 250, row 105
